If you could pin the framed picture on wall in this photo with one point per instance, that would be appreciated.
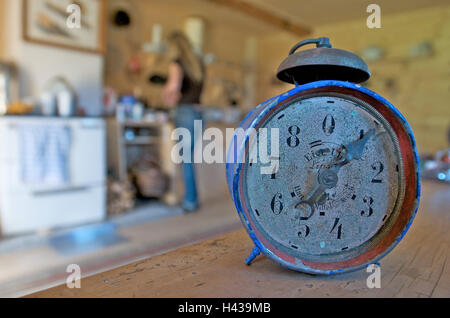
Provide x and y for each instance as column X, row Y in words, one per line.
column 60, row 23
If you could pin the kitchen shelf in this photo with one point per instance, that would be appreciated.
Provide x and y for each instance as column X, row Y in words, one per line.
column 140, row 124
column 142, row 141
column 150, row 137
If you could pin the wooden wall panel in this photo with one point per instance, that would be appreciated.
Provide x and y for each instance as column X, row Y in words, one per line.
column 226, row 34
column 420, row 87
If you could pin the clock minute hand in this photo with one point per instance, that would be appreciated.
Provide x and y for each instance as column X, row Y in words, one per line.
column 328, row 178
column 355, row 149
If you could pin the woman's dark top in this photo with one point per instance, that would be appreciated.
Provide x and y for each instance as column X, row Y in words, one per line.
column 190, row 89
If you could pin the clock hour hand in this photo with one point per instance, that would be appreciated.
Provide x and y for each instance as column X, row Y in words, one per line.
column 311, row 199
column 327, row 179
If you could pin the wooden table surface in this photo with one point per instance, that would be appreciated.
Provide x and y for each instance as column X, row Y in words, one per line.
column 418, row 267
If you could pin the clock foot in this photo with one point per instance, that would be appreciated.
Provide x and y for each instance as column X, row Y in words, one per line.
column 255, row 252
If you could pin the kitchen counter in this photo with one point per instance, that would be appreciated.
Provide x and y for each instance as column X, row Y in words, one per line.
column 418, row 267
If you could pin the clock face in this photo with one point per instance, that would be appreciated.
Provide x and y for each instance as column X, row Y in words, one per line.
column 339, row 178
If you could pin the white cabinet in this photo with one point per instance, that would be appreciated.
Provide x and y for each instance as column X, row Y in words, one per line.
column 26, row 207
column 88, row 160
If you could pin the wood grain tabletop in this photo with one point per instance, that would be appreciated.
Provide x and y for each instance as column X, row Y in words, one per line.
column 418, row 267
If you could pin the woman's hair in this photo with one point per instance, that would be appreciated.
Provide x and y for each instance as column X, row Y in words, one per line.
column 182, row 50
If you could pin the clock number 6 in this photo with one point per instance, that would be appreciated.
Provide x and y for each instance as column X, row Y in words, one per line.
column 277, row 204
column 293, row 141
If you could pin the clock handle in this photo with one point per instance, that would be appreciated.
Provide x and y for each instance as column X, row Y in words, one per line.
column 319, row 42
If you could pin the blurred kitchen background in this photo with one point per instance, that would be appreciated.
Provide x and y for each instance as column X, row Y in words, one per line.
column 85, row 169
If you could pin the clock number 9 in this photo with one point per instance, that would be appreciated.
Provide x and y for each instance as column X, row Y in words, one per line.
column 293, row 141
column 368, row 201
column 277, row 204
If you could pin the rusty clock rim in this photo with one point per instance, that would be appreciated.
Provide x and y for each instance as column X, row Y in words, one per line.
column 408, row 212
column 364, row 247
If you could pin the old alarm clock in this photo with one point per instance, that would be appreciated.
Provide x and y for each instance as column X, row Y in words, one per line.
column 345, row 188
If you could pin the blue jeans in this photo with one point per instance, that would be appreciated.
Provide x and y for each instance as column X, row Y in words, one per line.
column 185, row 115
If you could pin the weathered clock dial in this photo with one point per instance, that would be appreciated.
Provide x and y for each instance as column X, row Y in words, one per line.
column 316, row 203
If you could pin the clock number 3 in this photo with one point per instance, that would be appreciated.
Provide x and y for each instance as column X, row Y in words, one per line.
column 368, row 201
column 277, row 204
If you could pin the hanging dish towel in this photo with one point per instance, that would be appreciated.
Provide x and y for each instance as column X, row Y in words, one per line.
column 44, row 154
